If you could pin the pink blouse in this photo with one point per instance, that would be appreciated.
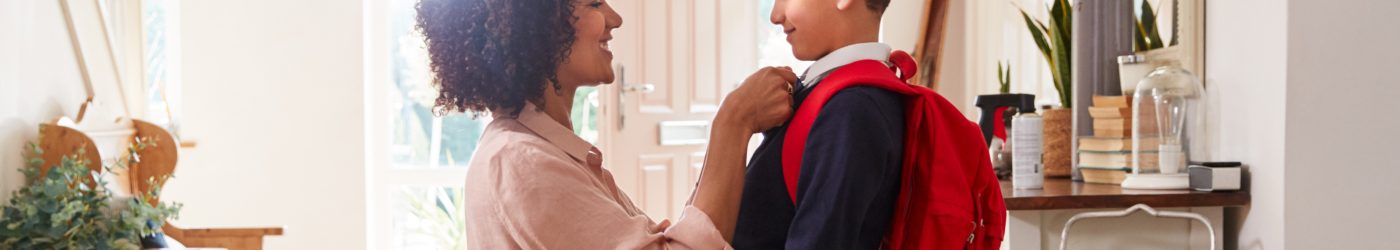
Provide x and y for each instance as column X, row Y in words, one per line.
column 533, row 184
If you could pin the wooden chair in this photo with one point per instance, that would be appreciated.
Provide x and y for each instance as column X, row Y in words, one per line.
column 156, row 161
column 102, row 82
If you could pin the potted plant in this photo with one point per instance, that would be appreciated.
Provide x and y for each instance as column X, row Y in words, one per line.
column 1054, row 43
column 65, row 205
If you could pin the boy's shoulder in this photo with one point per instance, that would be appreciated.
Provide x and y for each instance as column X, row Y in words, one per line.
column 861, row 103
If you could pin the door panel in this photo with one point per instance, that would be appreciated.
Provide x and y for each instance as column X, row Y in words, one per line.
column 690, row 57
column 655, row 197
column 657, row 53
column 706, row 87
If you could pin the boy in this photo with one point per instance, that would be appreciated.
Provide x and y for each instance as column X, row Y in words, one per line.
column 851, row 164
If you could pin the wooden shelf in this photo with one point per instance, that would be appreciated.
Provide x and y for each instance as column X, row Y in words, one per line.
column 1066, row 194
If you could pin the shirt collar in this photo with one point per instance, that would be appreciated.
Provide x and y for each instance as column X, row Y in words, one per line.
column 549, row 129
column 845, row 55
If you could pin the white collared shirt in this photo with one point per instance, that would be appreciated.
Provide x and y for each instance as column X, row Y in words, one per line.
column 845, row 55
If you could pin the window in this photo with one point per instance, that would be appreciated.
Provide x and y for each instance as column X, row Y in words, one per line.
column 421, row 213
column 773, row 48
column 420, row 138
column 160, row 49
column 418, row 160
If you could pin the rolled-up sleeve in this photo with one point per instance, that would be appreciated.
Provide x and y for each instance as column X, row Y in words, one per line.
column 547, row 201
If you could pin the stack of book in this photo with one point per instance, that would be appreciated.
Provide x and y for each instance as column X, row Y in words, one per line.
column 1106, row 157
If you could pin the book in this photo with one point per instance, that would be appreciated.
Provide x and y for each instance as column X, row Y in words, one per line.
column 1115, row 159
column 1120, row 133
column 1119, row 101
column 1120, row 124
column 1116, row 123
column 1111, row 112
column 1113, row 144
column 1103, row 176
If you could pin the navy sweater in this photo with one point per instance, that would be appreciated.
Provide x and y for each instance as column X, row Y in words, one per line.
column 848, row 182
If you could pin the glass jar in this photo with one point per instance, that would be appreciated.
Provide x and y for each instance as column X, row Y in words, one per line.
column 1167, row 118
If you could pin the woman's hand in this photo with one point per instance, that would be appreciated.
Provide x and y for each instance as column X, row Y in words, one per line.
column 763, row 101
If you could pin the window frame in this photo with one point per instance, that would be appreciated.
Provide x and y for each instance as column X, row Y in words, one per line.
column 384, row 178
column 126, row 31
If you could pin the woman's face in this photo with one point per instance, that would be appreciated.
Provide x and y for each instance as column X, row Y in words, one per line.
column 590, row 60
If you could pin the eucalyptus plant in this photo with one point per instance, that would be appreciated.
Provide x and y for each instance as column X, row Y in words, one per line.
column 58, row 209
column 1054, row 43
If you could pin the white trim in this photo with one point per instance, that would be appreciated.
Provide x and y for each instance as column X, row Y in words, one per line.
column 376, row 135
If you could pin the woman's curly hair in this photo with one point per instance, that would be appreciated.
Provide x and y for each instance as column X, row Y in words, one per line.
column 494, row 55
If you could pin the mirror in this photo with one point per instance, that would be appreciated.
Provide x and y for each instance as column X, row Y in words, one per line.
column 1184, row 19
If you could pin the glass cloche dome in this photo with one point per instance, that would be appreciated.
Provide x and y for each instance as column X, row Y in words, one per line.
column 1168, row 109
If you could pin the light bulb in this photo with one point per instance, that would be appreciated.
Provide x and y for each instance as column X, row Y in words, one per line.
column 1171, row 107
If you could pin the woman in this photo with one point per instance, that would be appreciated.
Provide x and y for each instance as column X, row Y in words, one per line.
column 533, row 184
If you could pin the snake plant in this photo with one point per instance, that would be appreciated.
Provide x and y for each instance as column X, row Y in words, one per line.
column 1054, row 43
column 1147, row 36
column 1004, row 77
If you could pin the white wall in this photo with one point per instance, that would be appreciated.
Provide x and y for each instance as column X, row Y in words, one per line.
column 1302, row 88
column 39, row 80
column 1246, row 55
column 273, row 93
column 901, row 30
column 900, row 26
column 1342, row 170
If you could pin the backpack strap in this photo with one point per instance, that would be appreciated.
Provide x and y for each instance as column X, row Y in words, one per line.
column 869, row 73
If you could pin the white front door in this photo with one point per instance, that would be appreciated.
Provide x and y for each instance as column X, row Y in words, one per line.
column 676, row 60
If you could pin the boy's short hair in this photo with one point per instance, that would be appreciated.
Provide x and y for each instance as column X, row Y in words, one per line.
column 877, row 5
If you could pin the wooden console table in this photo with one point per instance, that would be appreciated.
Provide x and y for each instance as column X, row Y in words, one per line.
column 1036, row 216
column 1066, row 194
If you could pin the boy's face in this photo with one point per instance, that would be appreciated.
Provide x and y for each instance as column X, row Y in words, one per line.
column 813, row 27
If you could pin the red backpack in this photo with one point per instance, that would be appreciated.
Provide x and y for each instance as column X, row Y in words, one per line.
column 949, row 197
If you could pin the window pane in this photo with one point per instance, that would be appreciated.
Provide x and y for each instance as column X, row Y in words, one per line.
column 585, row 113
column 420, row 138
column 773, row 48
column 158, row 24
column 429, row 218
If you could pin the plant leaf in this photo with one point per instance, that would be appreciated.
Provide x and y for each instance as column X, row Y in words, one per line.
column 1139, row 36
column 1149, row 27
column 1060, row 60
column 1054, row 42
column 1006, row 82
column 1063, row 14
column 1037, row 35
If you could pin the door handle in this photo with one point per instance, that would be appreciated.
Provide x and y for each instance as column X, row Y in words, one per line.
column 622, row 88
column 644, row 88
